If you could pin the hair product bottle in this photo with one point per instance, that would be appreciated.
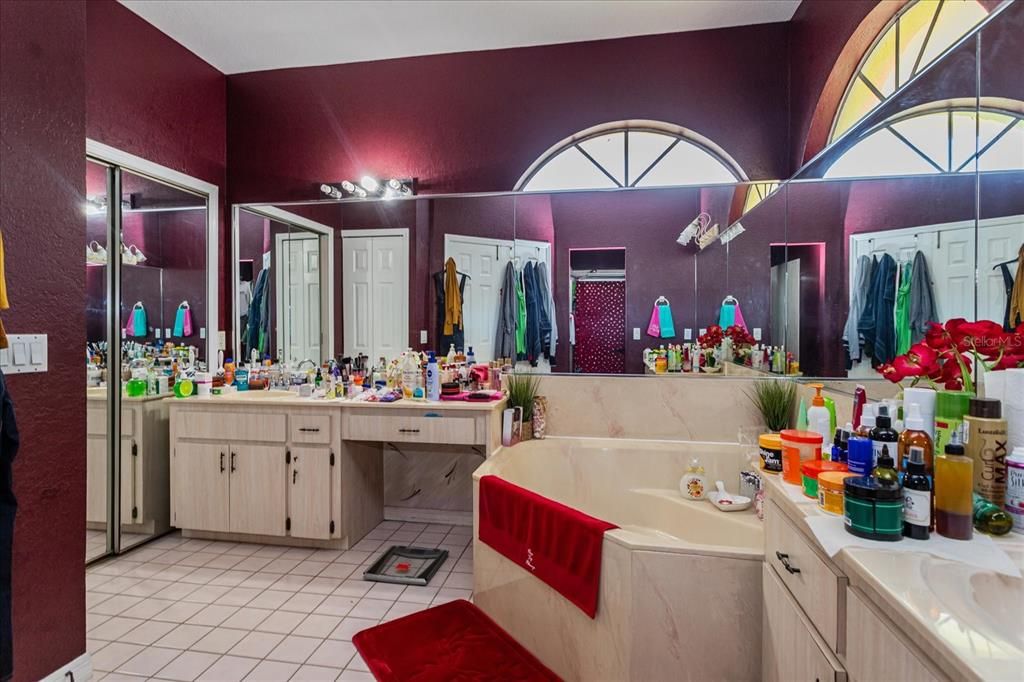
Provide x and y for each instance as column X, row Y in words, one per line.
column 915, row 436
column 950, row 408
column 1015, row 488
column 985, row 440
column 917, row 497
column 989, row 518
column 954, row 478
column 883, row 434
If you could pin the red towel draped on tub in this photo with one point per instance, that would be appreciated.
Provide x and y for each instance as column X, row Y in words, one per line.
column 558, row 544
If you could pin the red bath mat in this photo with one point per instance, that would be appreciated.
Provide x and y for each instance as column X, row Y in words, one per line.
column 453, row 642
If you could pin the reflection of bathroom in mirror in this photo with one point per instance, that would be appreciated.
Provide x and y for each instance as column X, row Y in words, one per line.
column 596, row 332
column 282, row 295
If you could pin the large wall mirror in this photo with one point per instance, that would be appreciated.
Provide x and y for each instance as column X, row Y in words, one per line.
column 913, row 213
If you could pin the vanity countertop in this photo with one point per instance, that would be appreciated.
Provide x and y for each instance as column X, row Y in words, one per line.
column 99, row 394
column 286, row 398
column 968, row 616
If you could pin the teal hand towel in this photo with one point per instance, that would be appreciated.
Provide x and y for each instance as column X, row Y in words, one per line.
column 137, row 323
column 668, row 327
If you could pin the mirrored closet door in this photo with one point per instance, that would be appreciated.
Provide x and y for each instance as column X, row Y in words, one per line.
column 147, row 316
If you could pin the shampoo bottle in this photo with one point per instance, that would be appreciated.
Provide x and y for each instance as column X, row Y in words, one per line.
column 985, row 441
column 917, row 496
column 954, row 478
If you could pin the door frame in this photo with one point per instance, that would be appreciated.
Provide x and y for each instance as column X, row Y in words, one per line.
column 401, row 233
column 326, row 235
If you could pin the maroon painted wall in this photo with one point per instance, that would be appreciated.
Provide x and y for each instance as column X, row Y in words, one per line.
column 42, row 126
column 475, row 121
column 149, row 96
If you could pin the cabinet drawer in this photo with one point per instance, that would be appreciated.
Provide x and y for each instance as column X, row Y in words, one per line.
column 268, row 426
column 867, row 635
column 791, row 649
column 96, row 422
column 310, row 428
column 817, row 588
column 402, row 429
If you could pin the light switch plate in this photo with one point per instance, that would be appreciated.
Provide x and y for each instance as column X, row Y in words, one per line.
column 157, row 333
column 636, row 333
column 757, row 333
column 423, row 336
column 687, row 334
column 26, row 353
column 167, row 332
column 222, row 340
column 702, row 331
column 202, row 332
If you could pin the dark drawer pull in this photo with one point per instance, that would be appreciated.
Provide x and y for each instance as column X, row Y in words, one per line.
column 232, row 461
column 408, row 430
column 309, row 429
column 222, row 462
column 784, row 558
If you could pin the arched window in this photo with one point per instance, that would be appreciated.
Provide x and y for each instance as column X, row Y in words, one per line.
column 937, row 139
column 630, row 154
column 916, row 37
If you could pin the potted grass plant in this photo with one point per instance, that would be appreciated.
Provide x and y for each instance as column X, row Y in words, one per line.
column 522, row 390
column 775, row 400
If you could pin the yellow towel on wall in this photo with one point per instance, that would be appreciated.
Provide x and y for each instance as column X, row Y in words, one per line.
column 452, row 298
column 1017, row 295
column 4, row 304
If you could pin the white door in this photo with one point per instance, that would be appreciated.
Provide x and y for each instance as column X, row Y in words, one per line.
column 484, row 260
column 998, row 241
column 375, row 282
column 298, row 319
column 952, row 270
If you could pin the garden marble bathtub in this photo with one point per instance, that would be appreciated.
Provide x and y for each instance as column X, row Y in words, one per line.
column 680, row 595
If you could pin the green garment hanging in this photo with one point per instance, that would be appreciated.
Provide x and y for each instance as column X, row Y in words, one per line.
column 903, row 310
column 520, row 317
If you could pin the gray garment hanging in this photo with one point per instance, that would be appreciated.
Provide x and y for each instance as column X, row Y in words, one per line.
column 505, row 338
column 549, row 306
column 922, row 299
column 861, row 282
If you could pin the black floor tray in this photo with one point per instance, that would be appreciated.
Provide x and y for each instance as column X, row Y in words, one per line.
column 425, row 563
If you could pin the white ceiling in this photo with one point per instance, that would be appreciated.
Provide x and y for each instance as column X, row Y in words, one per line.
column 256, row 35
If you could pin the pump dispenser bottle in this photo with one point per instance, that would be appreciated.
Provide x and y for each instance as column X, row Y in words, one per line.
column 954, row 479
column 867, row 420
column 915, row 436
column 818, row 418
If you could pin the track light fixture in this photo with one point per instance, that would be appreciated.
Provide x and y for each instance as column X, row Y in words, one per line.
column 370, row 187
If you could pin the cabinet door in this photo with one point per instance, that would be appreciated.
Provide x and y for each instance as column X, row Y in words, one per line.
column 867, row 634
column 791, row 649
column 258, row 489
column 199, row 479
column 96, row 479
column 309, row 493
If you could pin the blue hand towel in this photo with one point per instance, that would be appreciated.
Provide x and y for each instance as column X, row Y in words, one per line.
column 668, row 327
column 140, row 326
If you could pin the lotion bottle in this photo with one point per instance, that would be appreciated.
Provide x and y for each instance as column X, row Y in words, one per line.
column 818, row 418
column 694, row 484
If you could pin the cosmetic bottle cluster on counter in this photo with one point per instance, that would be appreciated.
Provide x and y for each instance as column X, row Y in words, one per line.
column 936, row 461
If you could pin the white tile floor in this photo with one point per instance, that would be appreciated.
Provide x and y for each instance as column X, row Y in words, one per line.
column 180, row 609
column 96, row 542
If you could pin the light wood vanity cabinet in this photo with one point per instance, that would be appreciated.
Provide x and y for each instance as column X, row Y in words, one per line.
column 268, row 473
column 144, row 503
column 816, row 625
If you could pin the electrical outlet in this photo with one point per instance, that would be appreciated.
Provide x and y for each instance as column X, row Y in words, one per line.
column 167, row 332
column 222, row 340
column 636, row 333
column 757, row 333
column 687, row 334
column 423, row 336
column 202, row 332
column 702, row 331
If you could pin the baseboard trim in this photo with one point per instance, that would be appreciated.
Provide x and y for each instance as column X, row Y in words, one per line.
column 411, row 515
column 80, row 669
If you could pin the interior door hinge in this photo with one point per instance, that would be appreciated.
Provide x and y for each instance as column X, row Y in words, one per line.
column 135, row 512
column 332, row 457
column 135, row 449
column 288, row 523
column 332, row 527
column 288, row 456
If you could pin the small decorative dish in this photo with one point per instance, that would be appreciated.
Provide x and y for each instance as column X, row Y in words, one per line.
column 726, row 502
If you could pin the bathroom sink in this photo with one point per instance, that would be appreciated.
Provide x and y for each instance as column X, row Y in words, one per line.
column 982, row 606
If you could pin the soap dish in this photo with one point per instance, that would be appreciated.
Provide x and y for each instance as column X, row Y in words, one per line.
column 739, row 502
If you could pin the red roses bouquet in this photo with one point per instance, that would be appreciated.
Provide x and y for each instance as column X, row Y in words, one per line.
column 711, row 338
column 740, row 336
column 951, row 351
